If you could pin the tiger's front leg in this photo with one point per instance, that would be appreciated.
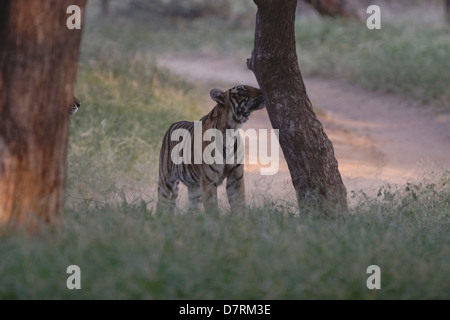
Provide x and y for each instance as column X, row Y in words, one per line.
column 236, row 188
column 195, row 198
column 209, row 195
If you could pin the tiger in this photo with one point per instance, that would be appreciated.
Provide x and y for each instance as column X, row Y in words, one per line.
column 73, row 108
column 232, row 110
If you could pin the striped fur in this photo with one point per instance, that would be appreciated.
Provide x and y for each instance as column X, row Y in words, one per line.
column 232, row 110
column 75, row 106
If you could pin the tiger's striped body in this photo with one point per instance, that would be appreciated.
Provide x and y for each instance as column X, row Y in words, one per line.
column 232, row 110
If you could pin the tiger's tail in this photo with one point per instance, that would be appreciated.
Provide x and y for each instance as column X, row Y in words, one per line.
column 167, row 183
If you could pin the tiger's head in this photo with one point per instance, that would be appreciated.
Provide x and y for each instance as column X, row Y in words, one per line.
column 239, row 102
column 73, row 108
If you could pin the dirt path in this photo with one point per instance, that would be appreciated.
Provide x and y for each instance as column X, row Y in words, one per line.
column 378, row 138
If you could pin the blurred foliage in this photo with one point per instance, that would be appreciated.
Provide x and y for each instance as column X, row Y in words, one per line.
column 238, row 12
column 185, row 9
column 233, row 11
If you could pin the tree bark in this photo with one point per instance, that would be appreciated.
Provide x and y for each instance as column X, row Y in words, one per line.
column 38, row 64
column 308, row 151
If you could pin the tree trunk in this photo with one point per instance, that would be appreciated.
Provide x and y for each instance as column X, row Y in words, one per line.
column 38, row 64
column 308, row 151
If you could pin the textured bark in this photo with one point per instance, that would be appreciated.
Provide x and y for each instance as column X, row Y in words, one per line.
column 38, row 63
column 308, row 151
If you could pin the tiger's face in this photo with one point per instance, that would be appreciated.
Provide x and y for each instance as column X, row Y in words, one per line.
column 239, row 102
column 76, row 104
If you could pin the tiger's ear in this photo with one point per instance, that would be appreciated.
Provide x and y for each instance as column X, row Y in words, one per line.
column 218, row 96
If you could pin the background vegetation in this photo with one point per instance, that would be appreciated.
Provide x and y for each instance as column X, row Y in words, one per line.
column 269, row 252
column 408, row 56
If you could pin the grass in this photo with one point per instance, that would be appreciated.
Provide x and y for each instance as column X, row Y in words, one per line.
column 126, row 252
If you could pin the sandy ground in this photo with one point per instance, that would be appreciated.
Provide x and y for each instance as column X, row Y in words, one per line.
column 378, row 138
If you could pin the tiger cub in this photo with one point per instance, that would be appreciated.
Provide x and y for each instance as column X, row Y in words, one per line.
column 73, row 108
column 233, row 108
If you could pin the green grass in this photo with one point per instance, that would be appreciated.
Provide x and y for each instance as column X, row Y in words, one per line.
column 126, row 252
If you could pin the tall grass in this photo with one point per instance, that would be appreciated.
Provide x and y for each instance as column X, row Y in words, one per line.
column 125, row 252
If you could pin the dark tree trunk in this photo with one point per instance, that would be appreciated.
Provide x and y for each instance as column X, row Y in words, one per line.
column 38, row 64
column 308, row 151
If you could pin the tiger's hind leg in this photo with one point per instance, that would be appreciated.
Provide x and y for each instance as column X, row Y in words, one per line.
column 167, row 196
